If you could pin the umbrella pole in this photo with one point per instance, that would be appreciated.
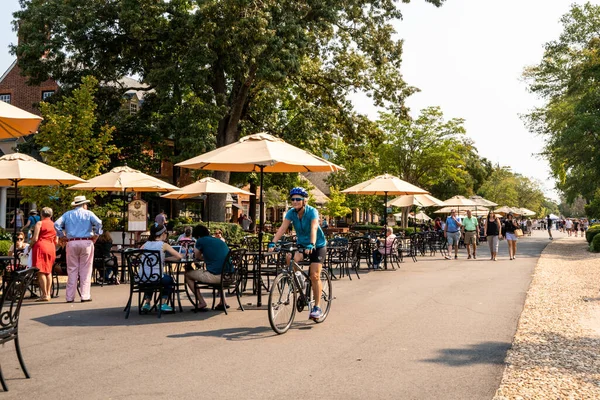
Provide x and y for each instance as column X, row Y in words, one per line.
column 208, row 210
column 385, row 231
column 260, row 237
column 123, row 219
column 16, row 216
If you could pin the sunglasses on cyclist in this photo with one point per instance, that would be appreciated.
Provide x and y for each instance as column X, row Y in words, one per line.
column 19, row 239
column 297, row 199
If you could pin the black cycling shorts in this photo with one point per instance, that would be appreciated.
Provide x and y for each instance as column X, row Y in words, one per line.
column 318, row 255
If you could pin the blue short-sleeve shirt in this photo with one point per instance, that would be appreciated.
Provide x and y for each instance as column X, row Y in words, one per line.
column 303, row 226
column 214, row 252
column 452, row 225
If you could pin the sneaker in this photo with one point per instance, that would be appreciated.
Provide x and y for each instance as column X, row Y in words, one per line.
column 316, row 313
column 468, row 258
column 146, row 307
column 474, row 257
column 165, row 308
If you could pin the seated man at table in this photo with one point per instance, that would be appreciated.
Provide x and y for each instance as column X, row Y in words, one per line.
column 387, row 249
column 213, row 251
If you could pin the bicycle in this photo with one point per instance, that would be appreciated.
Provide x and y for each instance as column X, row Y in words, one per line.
column 291, row 291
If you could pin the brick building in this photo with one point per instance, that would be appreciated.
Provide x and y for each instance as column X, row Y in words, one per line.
column 15, row 90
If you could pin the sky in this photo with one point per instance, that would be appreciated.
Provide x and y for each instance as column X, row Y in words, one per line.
column 466, row 57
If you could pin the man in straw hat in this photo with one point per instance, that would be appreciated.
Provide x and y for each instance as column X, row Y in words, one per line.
column 81, row 227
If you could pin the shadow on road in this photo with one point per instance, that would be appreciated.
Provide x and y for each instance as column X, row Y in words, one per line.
column 235, row 334
column 116, row 317
column 482, row 353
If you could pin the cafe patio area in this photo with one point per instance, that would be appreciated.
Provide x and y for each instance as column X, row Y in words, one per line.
column 430, row 329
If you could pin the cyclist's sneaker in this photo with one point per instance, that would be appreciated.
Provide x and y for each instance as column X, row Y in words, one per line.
column 146, row 307
column 165, row 308
column 316, row 313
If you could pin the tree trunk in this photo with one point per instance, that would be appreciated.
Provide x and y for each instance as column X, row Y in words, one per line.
column 252, row 206
column 228, row 130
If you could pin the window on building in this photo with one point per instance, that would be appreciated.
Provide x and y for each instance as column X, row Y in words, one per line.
column 5, row 98
column 46, row 94
column 133, row 108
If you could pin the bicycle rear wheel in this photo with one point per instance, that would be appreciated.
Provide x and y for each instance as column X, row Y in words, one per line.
column 326, row 295
column 282, row 304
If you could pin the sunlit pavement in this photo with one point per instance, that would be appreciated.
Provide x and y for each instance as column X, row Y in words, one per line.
column 434, row 329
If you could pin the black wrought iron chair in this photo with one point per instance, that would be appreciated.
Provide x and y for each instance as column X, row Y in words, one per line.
column 230, row 279
column 337, row 256
column 10, row 309
column 145, row 274
column 354, row 255
column 101, row 264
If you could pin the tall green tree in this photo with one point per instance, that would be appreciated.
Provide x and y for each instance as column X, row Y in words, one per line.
column 335, row 207
column 427, row 151
column 77, row 143
column 567, row 80
column 212, row 64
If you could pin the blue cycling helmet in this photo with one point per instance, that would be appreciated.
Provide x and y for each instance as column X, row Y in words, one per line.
column 299, row 191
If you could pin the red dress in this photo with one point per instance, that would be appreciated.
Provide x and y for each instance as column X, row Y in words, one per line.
column 44, row 250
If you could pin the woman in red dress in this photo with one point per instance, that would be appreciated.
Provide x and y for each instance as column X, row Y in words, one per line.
column 44, row 252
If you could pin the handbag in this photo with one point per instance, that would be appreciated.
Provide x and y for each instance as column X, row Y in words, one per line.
column 518, row 232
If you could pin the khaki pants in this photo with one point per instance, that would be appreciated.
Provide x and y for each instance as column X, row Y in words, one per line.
column 471, row 238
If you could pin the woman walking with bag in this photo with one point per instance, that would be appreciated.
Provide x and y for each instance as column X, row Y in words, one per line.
column 492, row 233
column 510, row 226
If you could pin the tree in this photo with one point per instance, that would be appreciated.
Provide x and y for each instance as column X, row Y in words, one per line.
column 428, row 151
column 77, row 143
column 567, row 80
column 335, row 207
column 213, row 64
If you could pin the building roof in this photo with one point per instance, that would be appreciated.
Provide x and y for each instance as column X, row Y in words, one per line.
column 8, row 70
column 316, row 193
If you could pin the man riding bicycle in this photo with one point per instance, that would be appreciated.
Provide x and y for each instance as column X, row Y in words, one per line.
column 310, row 236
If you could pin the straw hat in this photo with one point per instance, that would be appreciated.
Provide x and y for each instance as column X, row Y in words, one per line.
column 79, row 200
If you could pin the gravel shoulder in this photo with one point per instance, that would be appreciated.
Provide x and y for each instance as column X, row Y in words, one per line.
column 555, row 353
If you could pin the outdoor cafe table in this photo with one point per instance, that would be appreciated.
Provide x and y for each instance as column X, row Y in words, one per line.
column 176, row 269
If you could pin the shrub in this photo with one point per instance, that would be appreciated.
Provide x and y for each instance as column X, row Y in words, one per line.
column 595, row 245
column 233, row 233
column 4, row 246
column 591, row 232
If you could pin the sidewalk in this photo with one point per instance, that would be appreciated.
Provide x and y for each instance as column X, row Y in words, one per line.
column 555, row 353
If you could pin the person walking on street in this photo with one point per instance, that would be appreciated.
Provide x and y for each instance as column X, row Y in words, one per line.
column 549, row 223
column 452, row 234
column 43, row 252
column 492, row 232
column 80, row 227
column 471, row 227
column 510, row 224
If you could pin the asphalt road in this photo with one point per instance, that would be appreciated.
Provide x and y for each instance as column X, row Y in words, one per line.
column 434, row 329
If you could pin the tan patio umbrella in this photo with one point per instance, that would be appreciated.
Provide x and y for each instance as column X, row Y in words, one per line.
column 419, row 200
column 22, row 170
column 204, row 186
column 125, row 179
column 505, row 210
column 384, row 185
column 262, row 153
column 475, row 210
column 15, row 122
column 527, row 212
column 483, row 202
column 420, row 215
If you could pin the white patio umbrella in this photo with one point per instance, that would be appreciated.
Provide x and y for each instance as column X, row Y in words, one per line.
column 384, row 185
column 420, row 216
column 463, row 211
column 15, row 122
column 419, row 200
column 483, row 202
column 261, row 153
column 505, row 210
column 22, row 170
column 204, row 186
column 125, row 179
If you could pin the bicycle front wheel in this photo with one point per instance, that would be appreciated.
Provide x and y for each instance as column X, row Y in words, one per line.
column 326, row 295
column 282, row 304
